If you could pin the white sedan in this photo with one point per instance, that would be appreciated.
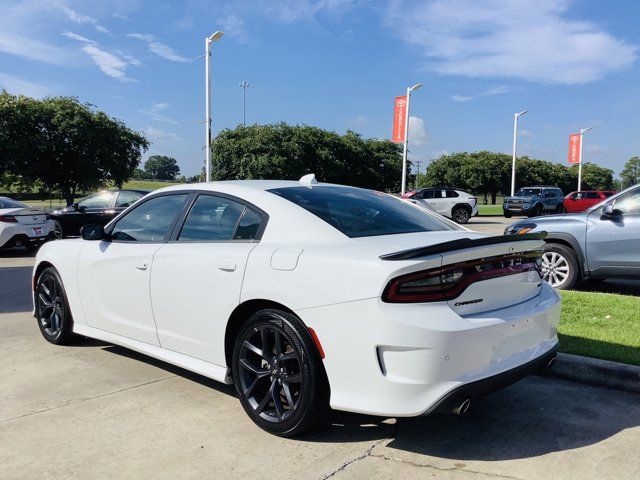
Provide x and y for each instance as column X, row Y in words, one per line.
column 23, row 226
column 304, row 296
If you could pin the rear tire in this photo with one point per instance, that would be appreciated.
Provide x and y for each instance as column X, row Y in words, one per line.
column 52, row 308
column 560, row 209
column 57, row 230
column 460, row 215
column 560, row 266
column 278, row 373
column 536, row 211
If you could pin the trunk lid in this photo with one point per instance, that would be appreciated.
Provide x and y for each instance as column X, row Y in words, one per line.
column 26, row 216
column 489, row 272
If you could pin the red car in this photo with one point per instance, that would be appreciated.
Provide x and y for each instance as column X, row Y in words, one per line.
column 577, row 202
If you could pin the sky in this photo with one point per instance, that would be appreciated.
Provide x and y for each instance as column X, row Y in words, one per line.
column 338, row 64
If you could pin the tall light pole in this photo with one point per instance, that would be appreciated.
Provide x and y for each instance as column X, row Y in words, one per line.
column 406, row 139
column 515, row 144
column 207, row 80
column 582, row 132
column 244, row 86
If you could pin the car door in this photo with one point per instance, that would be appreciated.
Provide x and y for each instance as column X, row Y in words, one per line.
column 438, row 202
column 114, row 274
column 197, row 276
column 612, row 241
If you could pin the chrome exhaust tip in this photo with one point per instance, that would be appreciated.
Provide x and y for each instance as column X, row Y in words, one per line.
column 463, row 408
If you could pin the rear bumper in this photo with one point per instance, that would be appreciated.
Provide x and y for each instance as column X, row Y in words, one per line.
column 23, row 240
column 407, row 359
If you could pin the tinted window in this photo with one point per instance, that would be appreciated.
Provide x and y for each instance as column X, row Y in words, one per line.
column 248, row 226
column 149, row 222
column 452, row 194
column 99, row 200
column 8, row 203
column 592, row 195
column 527, row 192
column 608, row 194
column 628, row 204
column 438, row 194
column 361, row 213
column 211, row 218
column 427, row 194
column 127, row 198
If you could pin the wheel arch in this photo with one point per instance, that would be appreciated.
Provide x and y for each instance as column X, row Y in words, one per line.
column 570, row 242
column 39, row 269
column 466, row 206
column 241, row 313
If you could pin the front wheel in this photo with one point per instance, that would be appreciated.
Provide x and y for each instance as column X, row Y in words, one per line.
column 559, row 266
column 278, row 373
column 536, row 211
column 57, row 230
column 52, row 308
column 460, row 215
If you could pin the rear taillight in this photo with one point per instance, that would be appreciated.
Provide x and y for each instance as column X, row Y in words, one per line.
column 8, row 219
column 448, row 282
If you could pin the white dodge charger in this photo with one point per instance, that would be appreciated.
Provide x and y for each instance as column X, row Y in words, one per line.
column 304, row 296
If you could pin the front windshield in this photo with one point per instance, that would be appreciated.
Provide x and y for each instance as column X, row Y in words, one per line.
column 98, row 200
column 8, row 203
column 528, row 192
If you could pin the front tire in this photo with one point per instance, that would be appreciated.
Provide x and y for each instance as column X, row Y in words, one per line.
column 278, row 373
column 52, row 308
column 560, row 209
column 536, row 211
column 57, row 230
column 560, row 266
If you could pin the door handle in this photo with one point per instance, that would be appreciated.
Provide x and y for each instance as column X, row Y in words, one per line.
column 142, row 264
column 227, row 266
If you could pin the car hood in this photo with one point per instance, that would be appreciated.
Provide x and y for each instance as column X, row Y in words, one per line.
column 553, row 222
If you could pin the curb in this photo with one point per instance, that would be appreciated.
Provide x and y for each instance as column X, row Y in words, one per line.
column 599, row 373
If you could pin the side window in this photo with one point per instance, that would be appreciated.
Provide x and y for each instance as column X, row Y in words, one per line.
column 427, row 194
column 151, row 221
column 127, row 198
column 99, row 200
column 248, row 225
column 452, row 194
column 438, row 193
column 592, row 196
column 211, row 218
column 629, row 204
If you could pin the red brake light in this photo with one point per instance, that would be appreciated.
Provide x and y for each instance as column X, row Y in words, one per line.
column 448, row 282
column 8, row 218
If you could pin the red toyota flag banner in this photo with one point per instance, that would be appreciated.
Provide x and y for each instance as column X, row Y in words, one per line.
column 399, row 115
column 574, row 147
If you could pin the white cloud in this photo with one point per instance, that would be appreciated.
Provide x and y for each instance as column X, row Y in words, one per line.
column 233, row 26
column 460, row 98
column 19, row 86
column 154, row 113
column 595, row 148
column 110, row 64
column 75, row 36
column 76, row 17
column 417, row 132
column 528, row 39
column 160, row 49
column 161, row 136
column 102, row 29
column 27, row 47
column 288, row 11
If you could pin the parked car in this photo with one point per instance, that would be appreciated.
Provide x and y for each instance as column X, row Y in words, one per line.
column 23, row 226
column 304, row 296
column 99, row 207
column 600, row 243
column 534, row 201
column 454, row 204
column 577, row 202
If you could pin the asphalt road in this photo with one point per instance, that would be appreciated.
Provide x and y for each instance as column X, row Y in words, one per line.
column 94, row 410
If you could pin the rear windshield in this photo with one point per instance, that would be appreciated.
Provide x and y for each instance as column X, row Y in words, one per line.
column 8, row 203
column 361, row 213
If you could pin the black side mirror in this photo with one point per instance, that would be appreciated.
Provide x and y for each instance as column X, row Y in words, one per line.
column 609, row 212
column 93, row 231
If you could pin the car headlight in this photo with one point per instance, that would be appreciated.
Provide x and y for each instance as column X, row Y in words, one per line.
column 520, row 229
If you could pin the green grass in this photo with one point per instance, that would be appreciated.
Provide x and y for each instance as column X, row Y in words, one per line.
column 147, row 184
column 488, row 210
column 601, row 325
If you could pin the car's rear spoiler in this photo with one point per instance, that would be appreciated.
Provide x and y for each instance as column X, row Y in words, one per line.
column 460, row 244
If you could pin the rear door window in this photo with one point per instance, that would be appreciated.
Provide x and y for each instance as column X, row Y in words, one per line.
column 211, row 218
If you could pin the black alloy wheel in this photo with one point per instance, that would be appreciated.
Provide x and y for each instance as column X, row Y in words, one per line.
column 461, row 215
column 278, row 373
column 52, row 309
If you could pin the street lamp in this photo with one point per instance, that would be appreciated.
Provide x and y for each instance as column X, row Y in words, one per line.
column 515, row 143
column 582, row 132
column 406, row 138
column 207, row 54
column 244, row 86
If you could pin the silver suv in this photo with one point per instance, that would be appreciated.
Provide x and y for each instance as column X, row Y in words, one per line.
column 602, row 242
column 449, row 202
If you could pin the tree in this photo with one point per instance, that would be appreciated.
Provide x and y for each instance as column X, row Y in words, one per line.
column 161, row 167
column 290, row 151
column 631, row 173
column 65, row 145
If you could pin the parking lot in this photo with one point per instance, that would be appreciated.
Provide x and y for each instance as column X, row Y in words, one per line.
column 94, row 410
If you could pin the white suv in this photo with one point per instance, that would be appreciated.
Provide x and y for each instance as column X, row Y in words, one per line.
column 455, row 204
